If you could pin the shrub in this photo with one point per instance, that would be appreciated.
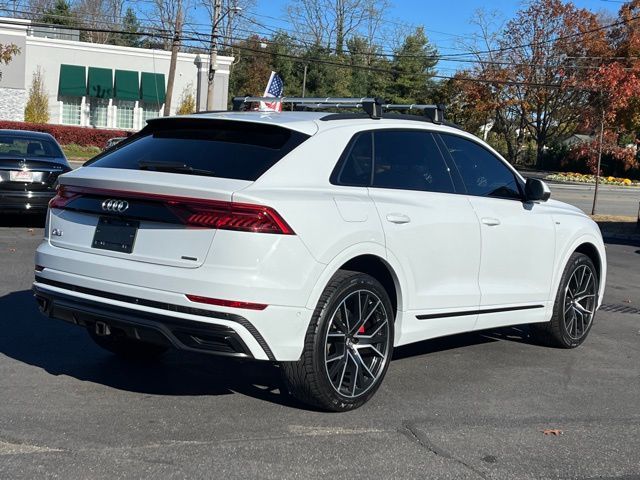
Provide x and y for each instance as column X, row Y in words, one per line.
column 187, row 101
column 37, row 108
column 67, row 134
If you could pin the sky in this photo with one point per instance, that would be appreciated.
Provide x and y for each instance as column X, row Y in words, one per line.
column 447, row 22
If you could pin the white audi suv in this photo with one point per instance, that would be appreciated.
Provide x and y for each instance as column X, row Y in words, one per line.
column 314, row 239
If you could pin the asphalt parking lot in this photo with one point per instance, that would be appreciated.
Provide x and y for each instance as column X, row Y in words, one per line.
column 470, row 406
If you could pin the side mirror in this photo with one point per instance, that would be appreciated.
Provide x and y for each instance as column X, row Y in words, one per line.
column 536, row 190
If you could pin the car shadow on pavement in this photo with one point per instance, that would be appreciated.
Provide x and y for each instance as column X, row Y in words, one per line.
column 64, row 349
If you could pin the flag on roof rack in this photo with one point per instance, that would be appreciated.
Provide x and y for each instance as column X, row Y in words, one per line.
column 275, row 88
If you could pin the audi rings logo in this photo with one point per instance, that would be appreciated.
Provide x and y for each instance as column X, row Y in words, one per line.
column 115, row 206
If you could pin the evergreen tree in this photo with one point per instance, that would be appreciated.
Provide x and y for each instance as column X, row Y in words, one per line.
column 131, row 31
column 60, row 13
column 413, row 65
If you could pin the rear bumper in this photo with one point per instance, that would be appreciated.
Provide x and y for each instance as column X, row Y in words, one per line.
column 180, row 333
column 21, row 201
column 276, row 333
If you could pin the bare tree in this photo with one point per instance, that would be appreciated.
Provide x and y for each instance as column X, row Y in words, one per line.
column 36, row 8
column 330, row 23
column 163, row 16
column 229, row 18
column 99, row 15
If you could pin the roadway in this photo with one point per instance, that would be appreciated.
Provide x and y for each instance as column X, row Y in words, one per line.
column 469, row 406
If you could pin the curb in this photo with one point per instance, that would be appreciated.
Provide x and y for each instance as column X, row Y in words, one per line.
column 633, row 239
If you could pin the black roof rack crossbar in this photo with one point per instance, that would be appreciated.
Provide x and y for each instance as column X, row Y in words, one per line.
column 372, row 106
column 435, row 113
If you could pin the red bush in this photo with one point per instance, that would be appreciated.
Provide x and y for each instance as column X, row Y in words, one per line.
column 66, row 134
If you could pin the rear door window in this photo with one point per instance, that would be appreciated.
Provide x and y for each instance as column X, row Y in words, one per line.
column 217, row 148
column 410, row 160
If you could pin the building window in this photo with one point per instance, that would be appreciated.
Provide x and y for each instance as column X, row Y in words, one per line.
column 98, row 112
column 71, row 111
column 149, row 111
column 124, row 117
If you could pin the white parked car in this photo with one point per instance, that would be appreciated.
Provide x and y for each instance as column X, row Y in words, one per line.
column 317, row 240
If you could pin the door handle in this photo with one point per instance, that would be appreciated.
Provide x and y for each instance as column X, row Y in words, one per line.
column 492, row 222
column 398, row 218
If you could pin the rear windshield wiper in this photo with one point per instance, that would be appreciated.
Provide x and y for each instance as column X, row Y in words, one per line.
column 176, row 167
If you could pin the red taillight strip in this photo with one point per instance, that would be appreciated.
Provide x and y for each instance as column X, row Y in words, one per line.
column 193, row 211
column 227, row 303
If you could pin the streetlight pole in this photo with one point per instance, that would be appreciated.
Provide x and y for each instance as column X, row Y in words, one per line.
column 198, row 63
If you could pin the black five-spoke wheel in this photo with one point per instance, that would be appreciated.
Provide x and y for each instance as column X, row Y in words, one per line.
column 348, row 345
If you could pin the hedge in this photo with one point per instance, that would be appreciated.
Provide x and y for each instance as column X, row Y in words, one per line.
column 66, row 134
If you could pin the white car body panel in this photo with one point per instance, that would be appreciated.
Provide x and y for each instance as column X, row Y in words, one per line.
column 443, row 262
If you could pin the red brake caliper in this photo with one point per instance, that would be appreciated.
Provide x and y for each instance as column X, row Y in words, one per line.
column 361, row 329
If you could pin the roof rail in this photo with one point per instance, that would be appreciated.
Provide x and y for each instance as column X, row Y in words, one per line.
column 435, row 113
column 372, row 106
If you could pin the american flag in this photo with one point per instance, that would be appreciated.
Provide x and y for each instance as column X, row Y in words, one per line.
column 275, row 88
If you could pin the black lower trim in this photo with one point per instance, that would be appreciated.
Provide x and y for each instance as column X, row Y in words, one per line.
column 476, row 312
column 103, row 307
column 24, row 201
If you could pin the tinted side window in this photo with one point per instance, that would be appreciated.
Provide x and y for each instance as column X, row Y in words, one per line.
column 355, row 167
column 482, row 172
column 409, row 160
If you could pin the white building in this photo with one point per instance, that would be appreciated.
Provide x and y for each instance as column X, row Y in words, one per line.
column 96, row 85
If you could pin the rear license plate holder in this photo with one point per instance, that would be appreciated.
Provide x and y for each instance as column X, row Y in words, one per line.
column 115, row 234
column 25, row 176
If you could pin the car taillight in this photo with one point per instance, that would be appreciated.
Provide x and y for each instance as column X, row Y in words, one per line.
column 231, row 216
column 63, row 196
column 193, row 212
column 226, row 303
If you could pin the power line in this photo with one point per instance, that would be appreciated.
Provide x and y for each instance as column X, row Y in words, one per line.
column 305, row 59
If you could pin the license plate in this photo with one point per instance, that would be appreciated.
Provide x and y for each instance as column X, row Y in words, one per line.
column 21, row 176
column 115, row 234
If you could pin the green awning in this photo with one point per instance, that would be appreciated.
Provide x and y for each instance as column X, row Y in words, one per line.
column 126, row 85
column 73, row 81
column 152, row 88
column 100, row 82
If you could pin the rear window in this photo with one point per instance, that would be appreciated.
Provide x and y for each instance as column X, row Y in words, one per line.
column 24, row 146
column 225, row 149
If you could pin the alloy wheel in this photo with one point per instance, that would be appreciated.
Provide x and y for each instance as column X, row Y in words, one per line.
column 579, row 302
column 357, row 343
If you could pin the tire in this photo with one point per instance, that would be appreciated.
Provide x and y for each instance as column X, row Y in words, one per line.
column 126, row 347
column 575, row 306
column 344, row 362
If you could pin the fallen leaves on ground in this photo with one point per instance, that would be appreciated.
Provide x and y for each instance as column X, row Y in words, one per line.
column 552, row 431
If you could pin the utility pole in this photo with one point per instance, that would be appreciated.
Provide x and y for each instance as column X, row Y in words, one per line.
column 304, row 80
column 595, row 192
column 175, row 48
column 213, row 57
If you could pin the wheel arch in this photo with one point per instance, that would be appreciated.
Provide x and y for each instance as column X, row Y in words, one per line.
column 591, row 251
column 370, row 259
column 590, row 246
